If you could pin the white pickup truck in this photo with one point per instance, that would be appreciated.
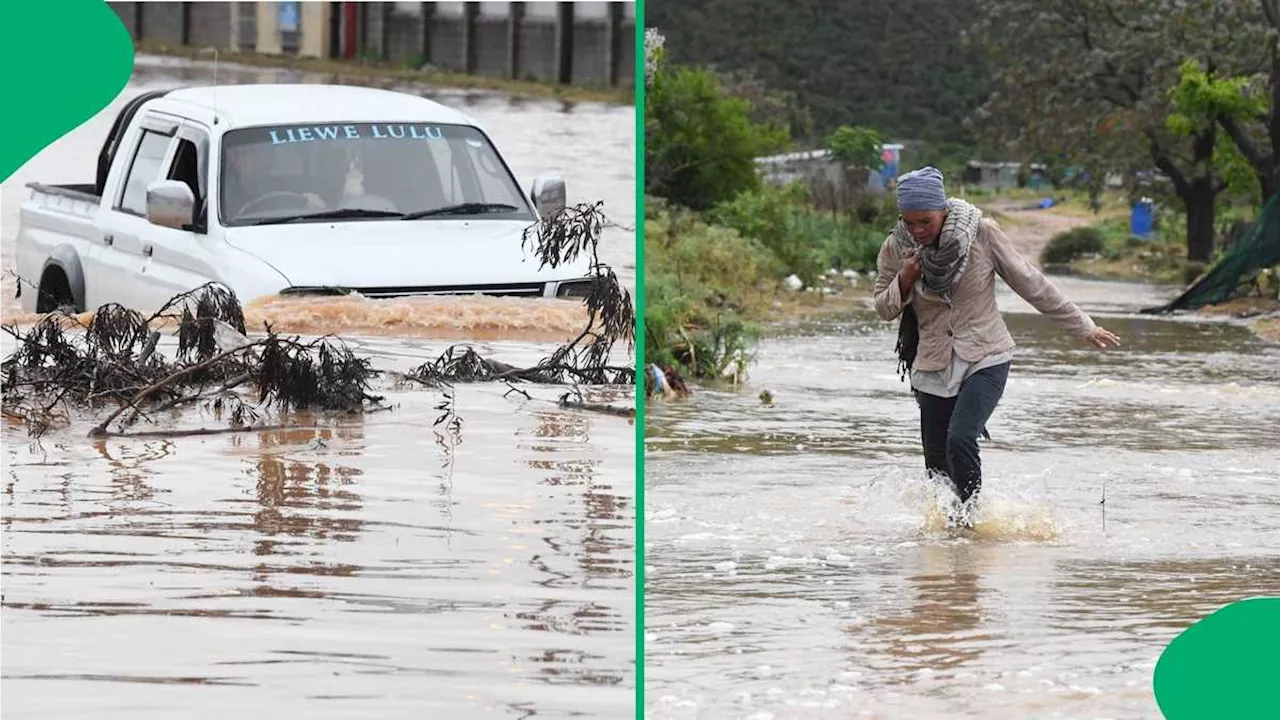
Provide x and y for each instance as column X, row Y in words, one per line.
column 288, row 189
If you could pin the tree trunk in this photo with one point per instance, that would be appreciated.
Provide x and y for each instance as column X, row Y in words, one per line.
column 1270, row 184
column 1199, row 193
column 1264, row 162
column 1200, row 200
column 1269, row 172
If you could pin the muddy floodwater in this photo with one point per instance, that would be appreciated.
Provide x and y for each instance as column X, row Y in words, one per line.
column 366, row 567
column 798, row 564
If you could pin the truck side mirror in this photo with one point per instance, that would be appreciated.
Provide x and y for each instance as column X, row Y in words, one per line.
column 170, row 203
column 548, row 194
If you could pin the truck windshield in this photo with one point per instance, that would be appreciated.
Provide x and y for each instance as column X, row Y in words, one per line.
column 426, row 170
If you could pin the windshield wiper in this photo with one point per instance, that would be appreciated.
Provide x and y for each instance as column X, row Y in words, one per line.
column 471, row 208
column 328, row 215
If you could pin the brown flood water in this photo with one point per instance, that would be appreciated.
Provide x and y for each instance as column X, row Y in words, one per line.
column 366, row 568
column 797, row 565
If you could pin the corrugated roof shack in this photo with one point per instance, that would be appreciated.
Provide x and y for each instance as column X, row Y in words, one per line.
column 999, row 176
column 831, row 185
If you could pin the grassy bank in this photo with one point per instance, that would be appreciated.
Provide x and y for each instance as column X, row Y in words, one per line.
column 366, row 69
column 1261, row 314
column 712, row 279
column 1068, row 201
column 1106, row 249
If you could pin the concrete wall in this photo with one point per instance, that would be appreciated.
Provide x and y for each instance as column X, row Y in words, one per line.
column 536, row 57
column 209, row 24
column 268, row 29
column 524, row 40
column 163, row 21
column 591, row 43
column 373, row 38
column 404, row 32
column 313, row 23
column 448, row 42
column 493, row 51
column 626, row 46
column 247, row 26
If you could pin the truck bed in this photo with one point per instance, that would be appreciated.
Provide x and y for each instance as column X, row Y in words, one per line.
column 76, row 192
column 78, row 201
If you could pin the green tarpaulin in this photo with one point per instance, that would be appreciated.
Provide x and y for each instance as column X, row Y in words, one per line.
column 1234, row 275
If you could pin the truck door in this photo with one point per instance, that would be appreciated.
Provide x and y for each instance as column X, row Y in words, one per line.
column 177, row 261
column 115, row 264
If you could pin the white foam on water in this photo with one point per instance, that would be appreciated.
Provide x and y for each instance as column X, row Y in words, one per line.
column 1002, row 511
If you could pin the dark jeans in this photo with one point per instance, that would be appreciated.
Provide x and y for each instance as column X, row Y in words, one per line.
column 949, row 428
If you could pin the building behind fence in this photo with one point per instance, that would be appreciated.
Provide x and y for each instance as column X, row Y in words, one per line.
column 589, row 44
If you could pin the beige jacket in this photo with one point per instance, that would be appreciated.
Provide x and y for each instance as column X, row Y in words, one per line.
column 972, row 324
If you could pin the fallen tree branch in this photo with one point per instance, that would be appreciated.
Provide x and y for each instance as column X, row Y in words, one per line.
column 597, row 407
column 229, row 385
column 101, row 428
column 206, row 431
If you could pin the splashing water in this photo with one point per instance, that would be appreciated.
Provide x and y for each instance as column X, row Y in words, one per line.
column 1001, row 512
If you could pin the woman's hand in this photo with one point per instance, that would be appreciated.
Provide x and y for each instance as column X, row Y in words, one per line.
column 909, row 273
column 1101, row 338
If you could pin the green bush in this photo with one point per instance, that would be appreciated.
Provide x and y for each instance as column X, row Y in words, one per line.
column 770, row 216
column 803, row 240
column 700, row 143
column 702, row 285
column 1068, row 246
column 706, row 262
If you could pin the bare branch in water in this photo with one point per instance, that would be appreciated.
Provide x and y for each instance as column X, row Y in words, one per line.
column 561, row 238
column 513, row 389
column 558, row 239
column 114, row 360
column 625, row 412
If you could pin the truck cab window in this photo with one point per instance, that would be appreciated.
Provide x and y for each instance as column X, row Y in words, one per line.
column 144, row 170
column 281, row 171
column 491, row 174
column 186, row 168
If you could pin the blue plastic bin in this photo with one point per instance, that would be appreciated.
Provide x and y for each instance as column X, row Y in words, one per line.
column 1142, row 218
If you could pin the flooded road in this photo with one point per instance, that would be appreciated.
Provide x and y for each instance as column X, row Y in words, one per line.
column 368, row 567
column 798, row 564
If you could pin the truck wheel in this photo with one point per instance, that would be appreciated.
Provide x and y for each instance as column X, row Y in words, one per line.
column 55, row 292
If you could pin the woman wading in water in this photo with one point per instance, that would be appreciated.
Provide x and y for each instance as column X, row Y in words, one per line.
column 937, row 270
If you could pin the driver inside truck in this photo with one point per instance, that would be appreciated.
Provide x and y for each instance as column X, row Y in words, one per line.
column 250, row 182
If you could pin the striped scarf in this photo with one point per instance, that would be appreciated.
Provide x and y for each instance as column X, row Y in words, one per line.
column 943, row 263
